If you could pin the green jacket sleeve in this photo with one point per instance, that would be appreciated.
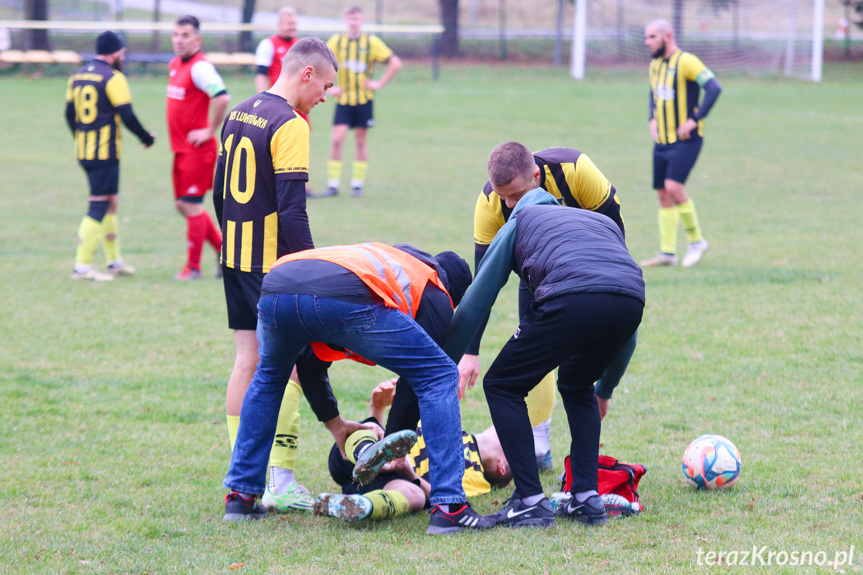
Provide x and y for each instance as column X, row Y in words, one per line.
column 490, row 278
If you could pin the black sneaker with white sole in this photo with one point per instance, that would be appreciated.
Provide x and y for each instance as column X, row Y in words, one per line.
column 591, row 511
column 517, row 513
column 238, row 508
column 443, row 522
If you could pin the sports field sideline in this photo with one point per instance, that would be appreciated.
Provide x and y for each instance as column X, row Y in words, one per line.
column 114, row 444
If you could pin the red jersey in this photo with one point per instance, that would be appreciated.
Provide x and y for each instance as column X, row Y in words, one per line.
column 189, row 94
column 280, row 47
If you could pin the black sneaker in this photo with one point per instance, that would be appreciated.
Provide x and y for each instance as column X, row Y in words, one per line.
column 442, row 522
column 357, row 191
column 591, row 511
column 517, row 513
column 238, row 508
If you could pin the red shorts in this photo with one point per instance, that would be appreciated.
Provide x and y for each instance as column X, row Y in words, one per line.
column 193, row 174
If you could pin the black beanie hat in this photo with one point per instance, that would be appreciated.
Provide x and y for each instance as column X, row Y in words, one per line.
column 108, row 43
column 456, row 277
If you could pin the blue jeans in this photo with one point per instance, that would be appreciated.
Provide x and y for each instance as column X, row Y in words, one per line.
column 389, row 338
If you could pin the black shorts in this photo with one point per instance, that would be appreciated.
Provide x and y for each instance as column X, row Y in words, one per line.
column 242, row 292
column 674, row 161
column 104, row 178
column 359, row 116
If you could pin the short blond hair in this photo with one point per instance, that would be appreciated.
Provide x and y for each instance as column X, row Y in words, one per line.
column 509, row 160
column 312, row 52
column 287, row 10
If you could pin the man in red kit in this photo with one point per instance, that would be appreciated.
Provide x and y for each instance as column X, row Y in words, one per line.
column 271, row 51
column 270, row 54
column 197, row 103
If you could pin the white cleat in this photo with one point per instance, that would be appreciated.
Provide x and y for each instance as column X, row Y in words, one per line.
column 660, row 260
column 694, row 253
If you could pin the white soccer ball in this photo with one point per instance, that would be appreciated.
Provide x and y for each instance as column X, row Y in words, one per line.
column 711, row 462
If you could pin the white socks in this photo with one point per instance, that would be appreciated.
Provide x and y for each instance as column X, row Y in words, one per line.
column 542, row 438
column 280, row 478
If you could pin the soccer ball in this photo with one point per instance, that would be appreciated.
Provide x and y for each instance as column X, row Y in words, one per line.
column 711, row 462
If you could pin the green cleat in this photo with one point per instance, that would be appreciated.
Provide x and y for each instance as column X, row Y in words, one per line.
column 295, row 498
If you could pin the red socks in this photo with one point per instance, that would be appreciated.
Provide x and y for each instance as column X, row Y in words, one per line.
column 200, row 228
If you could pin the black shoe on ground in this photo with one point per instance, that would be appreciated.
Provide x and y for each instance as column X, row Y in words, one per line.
column 517, row 513
column 591, row 511
column 357, row 191
column 443, row 522
column 238, row 508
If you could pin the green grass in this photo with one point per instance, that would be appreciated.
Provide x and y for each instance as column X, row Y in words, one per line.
column 114, row 447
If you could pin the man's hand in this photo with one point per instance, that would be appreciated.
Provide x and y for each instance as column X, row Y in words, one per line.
column 468, row 371
column 654, row 130
column 403, row 467
column 684, row 131
column 198, row 137
column 334, row 92
column 150, row 145
column 382, row 395
column 373, row 85
column 340, row 429
column 602, row 404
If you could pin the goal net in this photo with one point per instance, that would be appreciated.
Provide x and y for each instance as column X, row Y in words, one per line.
column 757, row 37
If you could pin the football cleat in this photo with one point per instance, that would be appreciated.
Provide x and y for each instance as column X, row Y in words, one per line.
column 121, row 269
column 92, row 275
column 442, row 522
column 659, row 260
column 694, row 252
column 357, row 191
column 390, row 448
column 348, row 508
column 545, row 462
column 295, row 498
column 188, row 274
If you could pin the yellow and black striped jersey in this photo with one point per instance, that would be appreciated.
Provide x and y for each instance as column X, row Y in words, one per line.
column 674, row 84
column 263, row 142
column 97, row 92
column 568, row 175
column 474, row 481
column 357, row 58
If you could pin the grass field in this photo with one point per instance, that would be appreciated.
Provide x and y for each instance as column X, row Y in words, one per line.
column 114, row 443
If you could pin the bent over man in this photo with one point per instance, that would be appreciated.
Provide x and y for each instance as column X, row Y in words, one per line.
column 587, row 304
column 355, row 301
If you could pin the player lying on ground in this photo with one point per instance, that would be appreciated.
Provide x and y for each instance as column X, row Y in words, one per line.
column 402, row 486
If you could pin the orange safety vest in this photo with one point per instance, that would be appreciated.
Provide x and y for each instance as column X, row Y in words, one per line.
column 395, row 276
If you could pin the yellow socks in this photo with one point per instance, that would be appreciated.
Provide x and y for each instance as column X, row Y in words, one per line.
column 668, row 220
column 358, row 175
column 334, row 173
column 357, row 442
column 690, row 221
column 284, row 451
column 540, row 400
column 89, row 235
column 110, row 238
column 387, row 504
column 233, row 426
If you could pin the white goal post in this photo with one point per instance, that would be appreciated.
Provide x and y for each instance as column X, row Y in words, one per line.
column 756, row 37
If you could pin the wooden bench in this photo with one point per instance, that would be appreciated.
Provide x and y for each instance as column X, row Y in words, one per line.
column 40, row 57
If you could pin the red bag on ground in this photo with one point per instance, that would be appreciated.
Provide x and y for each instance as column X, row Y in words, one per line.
column 615, row 479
